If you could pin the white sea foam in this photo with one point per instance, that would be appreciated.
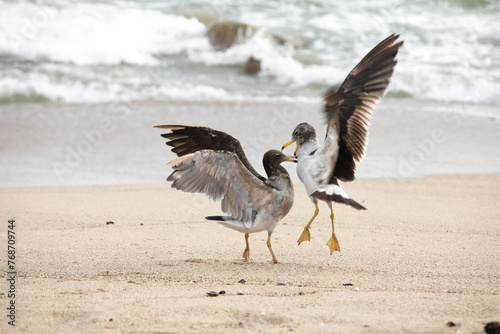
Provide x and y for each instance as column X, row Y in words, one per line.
column 93, row 33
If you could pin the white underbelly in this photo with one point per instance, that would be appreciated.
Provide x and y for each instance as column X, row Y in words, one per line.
column 306, row 171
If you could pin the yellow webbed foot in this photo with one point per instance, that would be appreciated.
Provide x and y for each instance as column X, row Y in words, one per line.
column 246, row 254
column 333, row 244
column 305, row 236
column 275, row 260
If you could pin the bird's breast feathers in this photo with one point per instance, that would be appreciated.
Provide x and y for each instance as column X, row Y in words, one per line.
column 314, row 171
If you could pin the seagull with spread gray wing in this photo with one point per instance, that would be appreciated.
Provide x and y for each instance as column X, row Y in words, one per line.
column 348, row 112
column 213, row 163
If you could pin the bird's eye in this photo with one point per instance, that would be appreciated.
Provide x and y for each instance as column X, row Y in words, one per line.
column 296, row 132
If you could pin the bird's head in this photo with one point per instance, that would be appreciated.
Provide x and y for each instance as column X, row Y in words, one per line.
column 275, row 157
column 301, row 134
column 272, row 162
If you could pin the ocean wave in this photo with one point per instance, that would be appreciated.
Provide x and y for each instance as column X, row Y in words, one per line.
column 114, row 50
column 35, row 87
column 63, row 86
column 62, row 83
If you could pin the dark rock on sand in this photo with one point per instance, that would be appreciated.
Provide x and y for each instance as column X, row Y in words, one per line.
column 212, row 294
column 492, row 327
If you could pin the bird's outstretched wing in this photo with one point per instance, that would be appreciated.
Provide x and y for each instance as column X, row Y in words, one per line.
column 349, row 109
column 189, row 139
column 221, row 175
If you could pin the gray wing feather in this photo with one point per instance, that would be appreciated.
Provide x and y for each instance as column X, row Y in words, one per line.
column 220, row 175
column 350, row 108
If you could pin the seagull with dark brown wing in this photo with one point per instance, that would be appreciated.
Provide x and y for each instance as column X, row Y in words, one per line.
column 348, row 111
column 213, row 163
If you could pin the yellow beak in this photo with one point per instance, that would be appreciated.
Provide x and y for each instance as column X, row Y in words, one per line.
column 290, row 143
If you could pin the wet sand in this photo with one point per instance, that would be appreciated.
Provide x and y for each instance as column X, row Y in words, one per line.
column 425, row 253
column 47, row 144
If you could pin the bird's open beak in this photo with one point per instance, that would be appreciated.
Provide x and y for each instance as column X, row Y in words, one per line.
column 291, row 158
column 290, row 143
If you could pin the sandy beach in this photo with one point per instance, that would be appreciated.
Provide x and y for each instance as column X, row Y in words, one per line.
column 94, row 240
column 424, row 254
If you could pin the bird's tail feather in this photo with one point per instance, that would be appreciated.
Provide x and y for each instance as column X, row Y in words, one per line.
column 230, row 222
column 216, row 218
column 323, row 196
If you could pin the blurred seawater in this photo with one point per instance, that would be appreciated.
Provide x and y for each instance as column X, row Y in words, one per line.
column 150, row 50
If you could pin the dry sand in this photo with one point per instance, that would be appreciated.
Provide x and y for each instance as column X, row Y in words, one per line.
column 425, row 253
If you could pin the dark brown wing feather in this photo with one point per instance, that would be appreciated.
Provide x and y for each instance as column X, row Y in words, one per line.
column 189, row 139
column 350, row 108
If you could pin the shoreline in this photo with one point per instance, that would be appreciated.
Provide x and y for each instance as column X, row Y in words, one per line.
column 79, row 144
column 296, row 183
column 422, row 255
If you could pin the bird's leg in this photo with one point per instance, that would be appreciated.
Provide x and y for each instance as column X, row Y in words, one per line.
column 271, row 249
column 333, row 243
column 306, row 235
column 246, row 253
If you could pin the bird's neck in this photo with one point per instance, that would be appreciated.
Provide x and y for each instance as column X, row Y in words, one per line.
column 278, row 177
column 275, row 171
column 307, row 148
